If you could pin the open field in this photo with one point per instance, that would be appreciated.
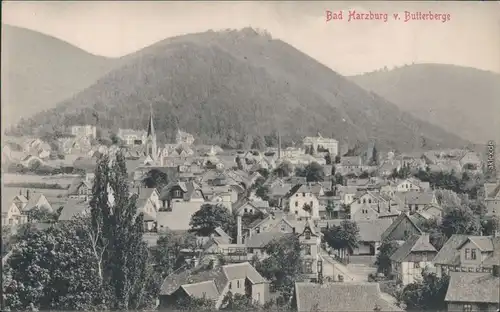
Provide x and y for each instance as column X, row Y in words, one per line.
column 63, row 180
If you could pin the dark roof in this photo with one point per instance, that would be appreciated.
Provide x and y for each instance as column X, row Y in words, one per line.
column 473, row 287
column 72, row 208
column 369, row 230
column 416, row 243
column 417, row 198
column 395, row 224
column 484, row 243
column 341, row 297
column 219, row 275
column 263, row 239
column 449, row 253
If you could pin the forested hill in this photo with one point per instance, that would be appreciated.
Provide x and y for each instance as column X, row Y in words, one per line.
column 462, row 100
column 235, row 87
column 39, row 71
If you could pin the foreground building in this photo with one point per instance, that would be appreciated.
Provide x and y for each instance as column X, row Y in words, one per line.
column 214, row 283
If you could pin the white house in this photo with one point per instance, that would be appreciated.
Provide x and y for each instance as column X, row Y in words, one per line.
column 492, row 199
column 411, row 258
column 304, row 202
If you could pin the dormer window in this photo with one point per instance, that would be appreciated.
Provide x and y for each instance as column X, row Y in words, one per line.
column 308, row 235
column 177, row 193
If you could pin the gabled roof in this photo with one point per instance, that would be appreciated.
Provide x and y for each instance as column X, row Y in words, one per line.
column 369, row 230
column 219, row 276
column 76, row 184
column 340, row 297
column 449, row 254
column 207, row 290
column 473, row 287
column 416, row 243
column 416, row 198
column 33, row 201
column 261, row 240
column 397, row 222
column 492, row 190
column 484, row 243
column 73, row 208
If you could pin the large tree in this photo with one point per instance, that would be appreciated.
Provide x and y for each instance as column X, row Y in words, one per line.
column 343, row 237
column 116, row 231
column 427, row 295
column 383, row 261
column 155, row 179
column 283, row 267
column 52, row 269
column 167, row 252
column 209, row 217
column 285, row 169
column 460, row 221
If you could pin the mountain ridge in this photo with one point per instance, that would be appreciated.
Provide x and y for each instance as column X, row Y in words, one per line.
column 236, row 87
column 40, row 70
column 462, row 100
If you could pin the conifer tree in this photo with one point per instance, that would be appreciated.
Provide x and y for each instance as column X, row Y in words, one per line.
column 117, row 230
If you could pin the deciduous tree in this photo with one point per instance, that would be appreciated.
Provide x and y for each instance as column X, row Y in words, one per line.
column 460, row 221
column 209, row 217
column 383, row 261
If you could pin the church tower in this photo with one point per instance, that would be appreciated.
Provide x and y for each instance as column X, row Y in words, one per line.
column 150, row 144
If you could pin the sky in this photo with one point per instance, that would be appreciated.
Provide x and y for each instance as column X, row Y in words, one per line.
column 471, row 37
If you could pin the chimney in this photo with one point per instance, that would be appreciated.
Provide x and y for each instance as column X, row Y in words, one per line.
column 496, row 270
column 239, row 239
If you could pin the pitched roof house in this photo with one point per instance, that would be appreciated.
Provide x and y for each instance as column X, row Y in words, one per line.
column 468, row 253
column 401, row 229
column 411, row 258
column 473, row 291
column 340, row 297
column 214, row 284
column 492, row 198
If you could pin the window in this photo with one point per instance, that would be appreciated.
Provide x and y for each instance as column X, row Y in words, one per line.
column 467, row 308
column 311, row 203
column 473, row 254
column 364, row 200
column 230, row 285
column 177, row 193
column 296, row 212
column 258, row 296
column 467, row 254
column 303, row 194
column 359, row 201
column 246, row 210
column 307, row 250
column 416, row 207
column 308, row 235
column 297, row 195
column 257, row 230
column 238, row 284
column 283, row 228
column 296, row 204
column 417, row 265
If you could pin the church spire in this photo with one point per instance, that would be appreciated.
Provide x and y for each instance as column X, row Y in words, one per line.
column 151, row 127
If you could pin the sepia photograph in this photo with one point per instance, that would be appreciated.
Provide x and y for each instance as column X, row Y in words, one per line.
column 272, row 156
